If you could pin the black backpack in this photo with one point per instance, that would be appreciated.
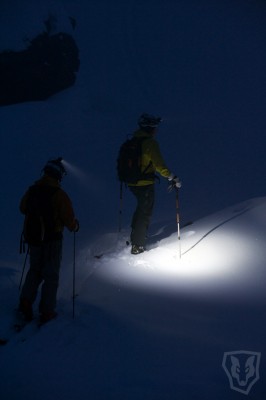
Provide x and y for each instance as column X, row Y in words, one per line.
column 129, row 161
column 39, row 222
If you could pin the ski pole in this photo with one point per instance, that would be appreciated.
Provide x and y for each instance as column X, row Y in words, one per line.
column 23, row 269
column 178, row 221
column 74, row 275
column 120, row 207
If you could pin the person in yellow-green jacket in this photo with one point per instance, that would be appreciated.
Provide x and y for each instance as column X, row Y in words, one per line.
column 151, row 162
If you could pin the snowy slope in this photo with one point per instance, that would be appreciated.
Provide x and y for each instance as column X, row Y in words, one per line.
column 150, row 326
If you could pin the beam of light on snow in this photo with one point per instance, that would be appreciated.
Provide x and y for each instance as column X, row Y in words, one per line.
column 217, row 263
column 223, row 253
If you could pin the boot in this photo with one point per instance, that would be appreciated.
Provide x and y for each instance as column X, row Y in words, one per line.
column 47, row 316
column 25, row 308
column 137, row 249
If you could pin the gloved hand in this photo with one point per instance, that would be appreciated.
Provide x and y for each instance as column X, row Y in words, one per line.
column 174, row 182
column 76, row 229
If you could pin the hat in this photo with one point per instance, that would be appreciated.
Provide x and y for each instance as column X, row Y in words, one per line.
column 55, row 168
column 147, row 120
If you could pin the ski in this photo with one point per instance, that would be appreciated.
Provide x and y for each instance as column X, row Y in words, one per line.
column 17, row 326
column 20, row 322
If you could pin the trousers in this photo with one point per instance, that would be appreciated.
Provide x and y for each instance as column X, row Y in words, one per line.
column 45, row 262
column 143, row 212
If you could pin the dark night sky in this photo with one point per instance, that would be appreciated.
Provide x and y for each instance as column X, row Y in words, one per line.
column 200, row 64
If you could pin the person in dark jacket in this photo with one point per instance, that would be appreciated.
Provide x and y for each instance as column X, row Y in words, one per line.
column 151, row 162
column 45, row 258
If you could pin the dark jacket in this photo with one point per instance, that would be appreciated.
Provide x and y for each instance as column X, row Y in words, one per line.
column 62, row 206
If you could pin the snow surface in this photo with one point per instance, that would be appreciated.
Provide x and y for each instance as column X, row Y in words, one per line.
column 152, row 326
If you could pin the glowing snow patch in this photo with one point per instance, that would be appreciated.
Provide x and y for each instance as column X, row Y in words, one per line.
column 213, row 264
column 218, row 255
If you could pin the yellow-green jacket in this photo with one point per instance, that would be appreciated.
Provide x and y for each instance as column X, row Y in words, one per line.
column 152, row 160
